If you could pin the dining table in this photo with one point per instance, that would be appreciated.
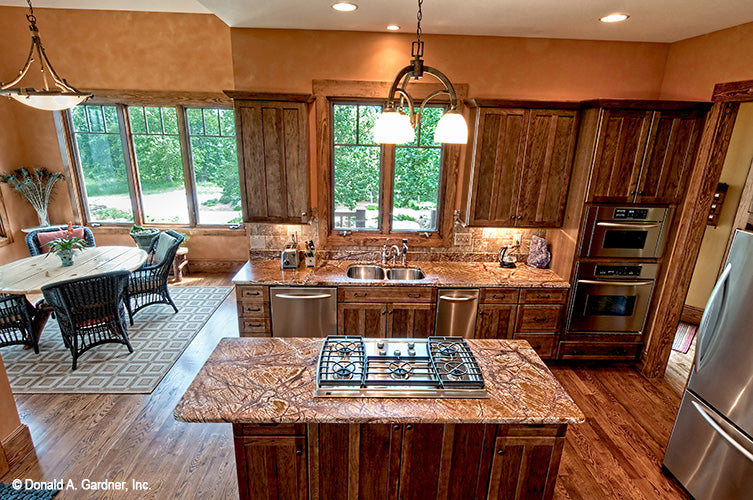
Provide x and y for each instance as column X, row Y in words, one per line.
column 29, row 275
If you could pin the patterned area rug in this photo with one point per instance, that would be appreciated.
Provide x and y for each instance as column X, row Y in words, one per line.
column 158, row 336
column 684, row 337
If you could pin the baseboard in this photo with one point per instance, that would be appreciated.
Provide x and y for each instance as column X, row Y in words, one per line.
column 213, row 266
column 17, row 445
column 691, row 314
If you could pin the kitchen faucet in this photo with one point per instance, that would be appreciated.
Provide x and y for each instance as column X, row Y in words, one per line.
column 405, row 251
column 393, row 252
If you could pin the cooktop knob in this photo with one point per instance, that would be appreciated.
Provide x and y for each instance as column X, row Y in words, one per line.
column 411, row 345
column 411, row 352
column 382, row 352
column 397, row 352
column 380, row 344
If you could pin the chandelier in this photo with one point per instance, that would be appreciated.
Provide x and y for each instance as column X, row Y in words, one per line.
column 395, row 127
column 55, row 99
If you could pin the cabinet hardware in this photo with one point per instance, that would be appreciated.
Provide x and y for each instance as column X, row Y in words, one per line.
column 384, row 312
column 495, row 296
column 356, row 294
column 500, row 451
column 543, row 296
column 409, row 427
column 396, row 427
column 299, row 452
column 390, row 313
column 255, row 325
column 255, row 309
column 249, row 294
column 539, row 319
column 414, row 295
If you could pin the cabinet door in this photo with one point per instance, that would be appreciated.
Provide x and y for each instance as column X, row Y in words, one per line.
column 670, row 152
column 410, row 320
column 271, row 468
column 498, row 155
column 524, row 467
column 365, row 319
column 619, row 154
column 272, row 158
column 495, row 321
column 545, row 172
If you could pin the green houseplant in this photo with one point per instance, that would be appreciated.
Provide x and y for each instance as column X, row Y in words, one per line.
column 36, row 186
column 143, row 236
column 66, row 246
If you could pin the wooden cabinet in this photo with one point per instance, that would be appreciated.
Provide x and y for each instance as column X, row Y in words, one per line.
column 253, row 310
column 495, row 321
column 386, row 311
column 271, row 133
column 521, row 166
column 644, row 155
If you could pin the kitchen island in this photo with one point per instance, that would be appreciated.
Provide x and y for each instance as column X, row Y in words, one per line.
column 289, row 444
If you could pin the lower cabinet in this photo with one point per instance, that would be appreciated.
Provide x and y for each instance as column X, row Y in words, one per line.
column 253, row 310
column 399, row 461
column 386, row 311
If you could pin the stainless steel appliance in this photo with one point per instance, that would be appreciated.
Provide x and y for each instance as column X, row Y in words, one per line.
column 611, row 297
column 456, row 312
column 711, row 448
column 303, row 311
column 433, row 367
column 625, row 231
column 289, row 256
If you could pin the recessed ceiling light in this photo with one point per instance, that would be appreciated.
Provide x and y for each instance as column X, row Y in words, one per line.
column 393, row 27
column 344, row 6
column 614, row 18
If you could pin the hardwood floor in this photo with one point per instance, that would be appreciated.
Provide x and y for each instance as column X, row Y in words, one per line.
column 616, row 453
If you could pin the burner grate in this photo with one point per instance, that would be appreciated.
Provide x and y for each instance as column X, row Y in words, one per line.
column 341, row 361
column 455, row 364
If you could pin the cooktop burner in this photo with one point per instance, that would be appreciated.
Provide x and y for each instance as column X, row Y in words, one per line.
column 434, row 367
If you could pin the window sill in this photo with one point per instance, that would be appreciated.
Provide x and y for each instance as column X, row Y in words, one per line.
column 204, row 230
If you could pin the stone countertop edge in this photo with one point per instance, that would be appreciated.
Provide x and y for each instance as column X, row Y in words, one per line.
column 438, row 274
column 272, row 380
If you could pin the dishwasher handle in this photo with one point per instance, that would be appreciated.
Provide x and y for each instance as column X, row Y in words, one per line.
column 456, row 299
column 318, row 296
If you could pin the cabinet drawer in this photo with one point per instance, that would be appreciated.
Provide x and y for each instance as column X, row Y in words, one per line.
column 545, row 344
column 269, row 429
column 543, row 296
column 537, row 318
column 252, row 293
column 253, row 309
column 599, row 350
column 386, row 294
column 255, row 325
column 499, row 295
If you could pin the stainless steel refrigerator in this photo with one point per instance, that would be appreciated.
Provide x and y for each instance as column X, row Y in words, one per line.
column 711, row 448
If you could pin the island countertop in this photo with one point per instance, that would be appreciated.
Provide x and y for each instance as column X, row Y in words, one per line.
column 438, row 274
column 272, row 380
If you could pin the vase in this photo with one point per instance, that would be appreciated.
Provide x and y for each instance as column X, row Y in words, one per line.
column 144, row 238
column 42, row 216
column 66, row 257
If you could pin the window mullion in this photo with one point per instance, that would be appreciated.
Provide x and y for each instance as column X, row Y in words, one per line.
column 132, row 173
column 386, row 188
column 189, row 177
column 78, row 182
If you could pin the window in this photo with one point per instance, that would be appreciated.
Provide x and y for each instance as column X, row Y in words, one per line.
column 363, row 170
column 156, row 164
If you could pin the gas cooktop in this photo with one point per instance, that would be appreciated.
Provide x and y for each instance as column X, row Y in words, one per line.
column 433, row 367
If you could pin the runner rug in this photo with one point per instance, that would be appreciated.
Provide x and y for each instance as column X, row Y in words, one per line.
column 158, row 336
column 684, row 337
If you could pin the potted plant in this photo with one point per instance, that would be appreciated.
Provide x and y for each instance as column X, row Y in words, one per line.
column 36, row 186
column 65, row 247
column 143, row 236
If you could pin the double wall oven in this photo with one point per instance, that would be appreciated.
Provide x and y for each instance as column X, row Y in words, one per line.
column 618, row 266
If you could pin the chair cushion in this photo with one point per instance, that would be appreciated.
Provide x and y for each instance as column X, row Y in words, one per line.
column 46, row 237
column 164, row 242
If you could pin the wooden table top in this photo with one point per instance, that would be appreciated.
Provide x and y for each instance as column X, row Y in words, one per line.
column 29, row 275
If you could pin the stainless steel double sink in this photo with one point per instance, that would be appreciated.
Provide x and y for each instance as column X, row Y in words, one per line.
column 375, row 272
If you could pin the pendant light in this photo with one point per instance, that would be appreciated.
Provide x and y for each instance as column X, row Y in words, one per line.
column 395, row 127
column 55, row 99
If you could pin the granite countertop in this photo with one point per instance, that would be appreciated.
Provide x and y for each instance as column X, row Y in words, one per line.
column 272, row 380
column 438, row 274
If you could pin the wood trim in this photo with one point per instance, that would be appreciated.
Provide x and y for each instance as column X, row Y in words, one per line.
column 64, row 130
column 268, row 96
column 17, row 445
column 691, row 314
column 519, row 103
column 189, row 177
column 647, row 105
column 741, row 91
column 160, row 98
column 683, row 250
column 132, row 174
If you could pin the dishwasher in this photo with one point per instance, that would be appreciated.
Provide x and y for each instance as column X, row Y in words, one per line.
column 303, row 311
column 456, row 312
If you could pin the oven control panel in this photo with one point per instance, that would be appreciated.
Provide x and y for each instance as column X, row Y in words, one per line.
column 630, row 213
column 618, row 271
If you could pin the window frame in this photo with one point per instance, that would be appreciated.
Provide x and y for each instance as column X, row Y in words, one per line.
column 329, row 92
column 122, row 101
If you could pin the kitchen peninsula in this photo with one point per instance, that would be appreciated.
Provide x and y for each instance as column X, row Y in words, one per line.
column 290, row 444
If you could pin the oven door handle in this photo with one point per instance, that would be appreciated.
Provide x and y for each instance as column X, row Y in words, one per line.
column 615, row 283
column 628, row 226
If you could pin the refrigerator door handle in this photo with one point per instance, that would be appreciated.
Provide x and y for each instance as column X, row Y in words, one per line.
column 726, row 435
column 705, row 326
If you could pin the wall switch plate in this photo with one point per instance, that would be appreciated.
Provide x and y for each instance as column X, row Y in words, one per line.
column 462, row 239
column 516, row 239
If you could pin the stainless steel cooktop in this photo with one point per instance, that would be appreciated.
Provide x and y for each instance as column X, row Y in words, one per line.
column 433, row 367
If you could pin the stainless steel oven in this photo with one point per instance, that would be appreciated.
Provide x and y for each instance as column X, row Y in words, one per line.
column 611, row 297
column 625, row 231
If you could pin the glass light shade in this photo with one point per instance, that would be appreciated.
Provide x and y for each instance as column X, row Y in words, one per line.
column 50, row 102
column 451, row 129
column 393, row 127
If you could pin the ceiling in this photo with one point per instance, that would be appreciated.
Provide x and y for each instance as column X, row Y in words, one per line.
column 650, row 20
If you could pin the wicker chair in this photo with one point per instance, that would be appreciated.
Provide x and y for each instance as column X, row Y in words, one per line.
column 90, row 310
column 17, row 322
column 148, row 284
column 32, row 239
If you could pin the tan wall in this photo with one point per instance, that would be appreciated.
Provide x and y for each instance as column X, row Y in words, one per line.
column 9, row 420
column 734, row 173
column 695, row 65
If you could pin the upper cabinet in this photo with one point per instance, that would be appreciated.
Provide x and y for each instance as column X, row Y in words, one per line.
column 272, row 156
column 521, row 163
column 642, row 152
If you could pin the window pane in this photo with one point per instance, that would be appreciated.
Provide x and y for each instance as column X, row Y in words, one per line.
column 215, row 165
column 417, row 174
column 195, row 123
column 357, row 168
column 160, row 168
column 103, row 166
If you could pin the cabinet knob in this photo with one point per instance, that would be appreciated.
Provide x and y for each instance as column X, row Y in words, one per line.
column 298, row 451
column 356, row 294
column 409, row 427
column 396, row 427
column 539, row 319
column 414, row 295
column 500, row 451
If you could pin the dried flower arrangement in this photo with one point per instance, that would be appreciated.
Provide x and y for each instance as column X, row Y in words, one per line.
column 36, row 186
